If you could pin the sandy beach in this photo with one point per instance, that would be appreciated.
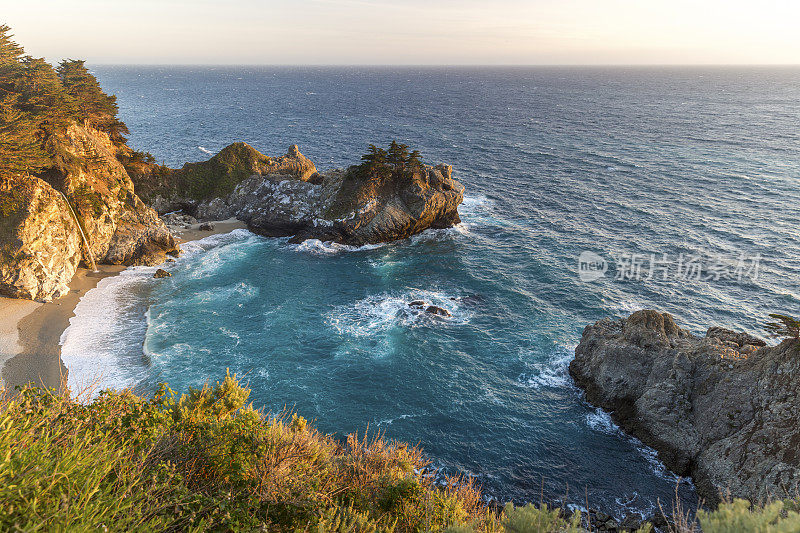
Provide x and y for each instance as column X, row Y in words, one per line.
column 30, row 332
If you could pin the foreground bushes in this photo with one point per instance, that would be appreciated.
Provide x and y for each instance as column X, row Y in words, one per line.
column 208, row 461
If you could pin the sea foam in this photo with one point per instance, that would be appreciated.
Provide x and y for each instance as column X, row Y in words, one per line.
column 103, row 346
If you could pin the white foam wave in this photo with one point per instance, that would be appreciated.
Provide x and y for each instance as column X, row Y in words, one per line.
column 379, row 313
column 205, row 150
column 433, row 235
column 108, row 323
column 237, row 293
column 551, row 373
column 192, row 248
column 627, row 307
column 390, row 421
column 478, row 202
column 599, row 420
column 102, row 346
column 318, row 247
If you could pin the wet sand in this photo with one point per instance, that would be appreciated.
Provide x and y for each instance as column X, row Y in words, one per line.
column 30, row 332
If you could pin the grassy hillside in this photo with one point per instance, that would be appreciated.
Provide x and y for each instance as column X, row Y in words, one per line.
column 208, row 461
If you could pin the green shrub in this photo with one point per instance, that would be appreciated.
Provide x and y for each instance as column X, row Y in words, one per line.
column 208, row 461
column 532, row 519
column 86, row 200
column 738, row 516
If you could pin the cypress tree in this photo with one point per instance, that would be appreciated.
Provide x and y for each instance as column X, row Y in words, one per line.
column 93, row 104
column 20, row 146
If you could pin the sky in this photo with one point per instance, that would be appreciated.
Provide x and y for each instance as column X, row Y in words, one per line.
column 415, row 32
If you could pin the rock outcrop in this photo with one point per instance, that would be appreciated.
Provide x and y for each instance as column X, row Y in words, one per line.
column 89, row 189
column 120, row 228
column 196, row 184
column 723, row 408
column 40, row 246
column 286, row 196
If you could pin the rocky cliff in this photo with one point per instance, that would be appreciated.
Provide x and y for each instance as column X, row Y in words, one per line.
column 41, row 235
column 286, row 196
column 722, row 408
column 40, row 246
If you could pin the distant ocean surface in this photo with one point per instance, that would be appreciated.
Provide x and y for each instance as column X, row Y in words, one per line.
column 683, row 181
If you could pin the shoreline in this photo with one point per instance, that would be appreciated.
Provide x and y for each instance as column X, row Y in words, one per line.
column 30, row 332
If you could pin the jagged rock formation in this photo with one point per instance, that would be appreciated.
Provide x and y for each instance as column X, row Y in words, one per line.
column 120, row 228
column 286, row 196
column 40, row 246
column 197, row 183
column 41, row 239
column 722, row 408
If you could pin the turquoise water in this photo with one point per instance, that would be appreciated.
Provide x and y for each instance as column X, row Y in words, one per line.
column 700, row 162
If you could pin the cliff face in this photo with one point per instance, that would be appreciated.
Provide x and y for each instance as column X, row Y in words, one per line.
column 39, row 242
column 40, row 238
column 120, row 228
column 722, row 408
column 286, row 196
column 198, row 183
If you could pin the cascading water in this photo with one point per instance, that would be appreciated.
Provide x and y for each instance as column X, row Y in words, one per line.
column 83, row 235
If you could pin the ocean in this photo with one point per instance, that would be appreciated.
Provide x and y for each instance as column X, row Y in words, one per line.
column 591, row 192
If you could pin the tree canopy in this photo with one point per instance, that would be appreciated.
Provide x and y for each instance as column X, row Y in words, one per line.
column 397, row 161
column 38, row 102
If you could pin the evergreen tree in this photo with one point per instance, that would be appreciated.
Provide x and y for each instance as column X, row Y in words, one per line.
column 784, row 326
column 415, row 159
column 398, row 155
column 397, row 161
column 20, row 148
column 93, row 104
column 43, row 96
column 10, row 52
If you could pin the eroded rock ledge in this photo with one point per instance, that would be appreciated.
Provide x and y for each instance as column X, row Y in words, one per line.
column 88, row 192
column 287, row 196
column 723, row 408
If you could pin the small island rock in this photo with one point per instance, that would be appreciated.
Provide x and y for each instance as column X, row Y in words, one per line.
column 439, row 311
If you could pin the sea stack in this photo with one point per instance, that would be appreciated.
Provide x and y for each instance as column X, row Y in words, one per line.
column 287, row 197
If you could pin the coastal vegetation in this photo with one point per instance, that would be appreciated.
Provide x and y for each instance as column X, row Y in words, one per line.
column 207, row 460
column 380, row 172
column 37, row 104
column 783, row 326
column 218, row 176
column 397, row 162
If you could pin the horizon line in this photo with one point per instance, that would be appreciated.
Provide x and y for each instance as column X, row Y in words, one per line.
column 457, row 65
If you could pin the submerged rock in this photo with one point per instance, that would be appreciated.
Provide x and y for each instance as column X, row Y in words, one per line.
column 161, row 273
column 436, row 310
column 40, row 245
column 722, row 408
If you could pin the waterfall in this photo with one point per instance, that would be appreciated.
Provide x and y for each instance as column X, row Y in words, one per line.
column 83, row 235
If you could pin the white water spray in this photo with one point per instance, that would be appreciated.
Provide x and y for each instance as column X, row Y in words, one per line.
column 83, row 235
